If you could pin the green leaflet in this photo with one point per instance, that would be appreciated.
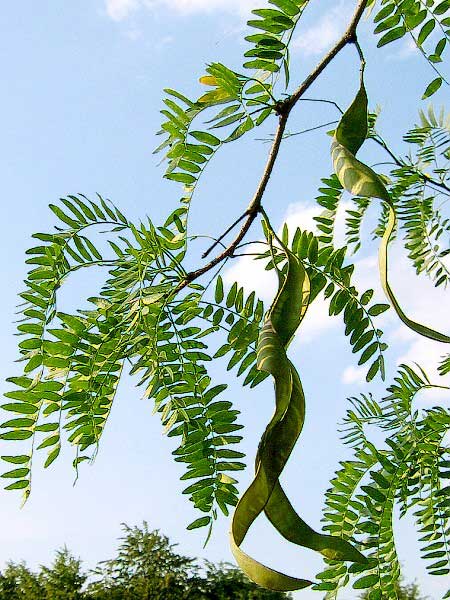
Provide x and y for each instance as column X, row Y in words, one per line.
column 265, row 493
column 361, row 180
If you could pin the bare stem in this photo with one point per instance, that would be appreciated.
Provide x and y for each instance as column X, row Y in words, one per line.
column 251, row 212
column 225, row 233
column 426, row 178
column 335, row 104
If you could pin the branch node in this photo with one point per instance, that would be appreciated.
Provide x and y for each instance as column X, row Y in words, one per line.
column 352, row 38
column 282, row 107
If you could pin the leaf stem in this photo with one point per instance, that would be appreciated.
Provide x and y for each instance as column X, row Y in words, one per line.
column 225, row 233
column 426, row 178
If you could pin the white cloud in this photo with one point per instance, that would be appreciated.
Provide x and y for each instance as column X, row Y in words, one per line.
column 133, row 34
column 320, row 36
column 301, row 214
column 119, row 10
column 251, row 275
column 406, row 50
column 353, row 375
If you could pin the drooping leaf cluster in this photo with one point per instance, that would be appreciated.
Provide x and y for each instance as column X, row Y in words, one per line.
column 402, row 462
column 426, row 23
column 73, row 362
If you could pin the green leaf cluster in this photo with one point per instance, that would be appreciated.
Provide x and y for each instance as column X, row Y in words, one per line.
column 73, row 362
column 409, row 470
column 188, row 146
column 240, row 316
column 425, row 22
column 270, row 46
column 330, row 274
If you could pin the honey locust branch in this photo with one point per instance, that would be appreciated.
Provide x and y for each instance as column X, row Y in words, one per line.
column 283, row 109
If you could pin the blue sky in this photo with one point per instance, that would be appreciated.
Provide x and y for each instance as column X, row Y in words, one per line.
column 83, row 85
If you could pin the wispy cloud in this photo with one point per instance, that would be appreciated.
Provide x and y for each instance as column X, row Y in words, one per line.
column 406, row 50
column 352, row 375
column 118, row 10
column 320, row 36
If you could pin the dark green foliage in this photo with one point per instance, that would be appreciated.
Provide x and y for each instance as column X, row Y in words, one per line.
column 225, row 582
column 64, row 579
column 17, row 582
column 147, row 566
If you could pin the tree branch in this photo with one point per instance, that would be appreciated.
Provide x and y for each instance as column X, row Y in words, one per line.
column 348, row 37
column 252, row 210
column 283, row 109
column 225, row 233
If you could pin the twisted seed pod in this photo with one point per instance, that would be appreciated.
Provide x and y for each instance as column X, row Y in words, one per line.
column 265, row 493
column 361, row 180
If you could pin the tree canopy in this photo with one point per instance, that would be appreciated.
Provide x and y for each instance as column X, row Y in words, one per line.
column 146, row 566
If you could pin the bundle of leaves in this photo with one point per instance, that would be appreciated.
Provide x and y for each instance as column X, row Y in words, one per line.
column 162, row 320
